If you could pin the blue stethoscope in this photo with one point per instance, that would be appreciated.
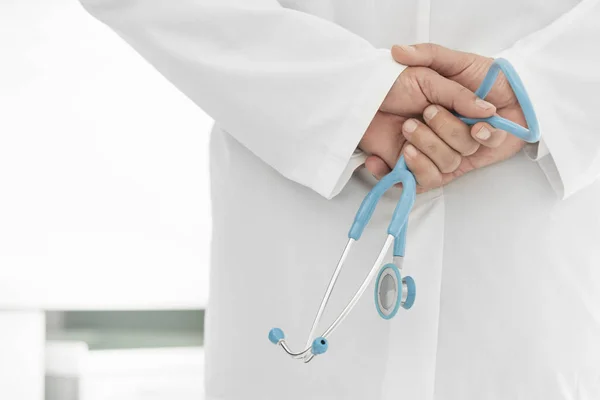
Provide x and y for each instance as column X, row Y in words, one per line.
column 392, row 290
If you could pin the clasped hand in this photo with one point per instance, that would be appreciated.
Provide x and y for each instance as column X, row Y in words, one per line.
column 414, row 119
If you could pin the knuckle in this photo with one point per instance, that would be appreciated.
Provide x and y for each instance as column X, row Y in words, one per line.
column 426, row 81
column 442, row 125
column 472, row 149
column 412, row 80
column 397, row 122
column 432, row 50
column 421, row 72
column 408, row 73
column 462, row 95
column 458, row 134
column 450, row 163
column 463, row 91
column 431, row 148
column 426, row 84
column 433, row 180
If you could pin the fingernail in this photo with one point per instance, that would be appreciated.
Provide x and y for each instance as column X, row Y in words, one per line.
column 409, row 126
column 407, row 48
column 484, row 133
column 430, row 112
column 410, row 151
column 483, row 104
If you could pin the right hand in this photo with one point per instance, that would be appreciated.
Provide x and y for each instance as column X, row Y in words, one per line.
column 414, row 90
column 439, row 142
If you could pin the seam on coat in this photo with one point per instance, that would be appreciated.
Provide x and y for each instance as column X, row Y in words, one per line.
column 437, row 343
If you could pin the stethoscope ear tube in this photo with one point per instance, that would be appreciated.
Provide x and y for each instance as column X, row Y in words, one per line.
column 405, row 288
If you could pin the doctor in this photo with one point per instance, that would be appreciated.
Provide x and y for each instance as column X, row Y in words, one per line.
column 305, row 92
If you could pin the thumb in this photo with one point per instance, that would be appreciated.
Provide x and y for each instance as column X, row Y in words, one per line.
column 451, row 95
column 442, row 60
column 383, row 138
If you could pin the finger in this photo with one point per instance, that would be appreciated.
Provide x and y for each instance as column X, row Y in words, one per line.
column 451, row 130
column 445, row 61
column 383, row 138
column 452, row 95
column 377, row 167
column 426, row 173
column 423, row 138
column 487, row 135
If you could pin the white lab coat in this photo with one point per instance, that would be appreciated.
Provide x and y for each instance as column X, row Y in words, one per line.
column 506, row 259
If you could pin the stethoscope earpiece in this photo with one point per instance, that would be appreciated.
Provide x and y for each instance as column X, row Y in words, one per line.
column 319, row 345
column 276, row 335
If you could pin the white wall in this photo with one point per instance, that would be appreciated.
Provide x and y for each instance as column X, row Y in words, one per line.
column 21, row 355
column 104, row 199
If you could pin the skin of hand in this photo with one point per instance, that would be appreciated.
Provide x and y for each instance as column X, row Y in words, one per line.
column 440, row 148
column 414, row 90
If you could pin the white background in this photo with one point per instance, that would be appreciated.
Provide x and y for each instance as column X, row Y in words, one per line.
column 104, row 191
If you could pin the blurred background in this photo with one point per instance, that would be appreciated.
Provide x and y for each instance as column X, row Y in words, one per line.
column 104, row 215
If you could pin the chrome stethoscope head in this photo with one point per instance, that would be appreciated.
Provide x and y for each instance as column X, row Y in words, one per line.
column 393, row 291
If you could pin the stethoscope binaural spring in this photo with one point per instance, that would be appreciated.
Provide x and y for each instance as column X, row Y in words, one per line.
column 392, row 290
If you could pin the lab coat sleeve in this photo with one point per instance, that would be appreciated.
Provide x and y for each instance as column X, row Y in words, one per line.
column 560, row 68
column 296, row 90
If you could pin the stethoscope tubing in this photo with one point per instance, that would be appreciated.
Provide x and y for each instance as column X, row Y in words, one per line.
column 398, row 225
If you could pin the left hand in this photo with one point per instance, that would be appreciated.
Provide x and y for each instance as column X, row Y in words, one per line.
column 443, row 147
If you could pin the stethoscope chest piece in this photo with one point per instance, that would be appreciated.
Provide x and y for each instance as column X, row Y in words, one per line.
column 392, row 291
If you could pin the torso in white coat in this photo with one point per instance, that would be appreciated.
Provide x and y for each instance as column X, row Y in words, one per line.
column 508, row 274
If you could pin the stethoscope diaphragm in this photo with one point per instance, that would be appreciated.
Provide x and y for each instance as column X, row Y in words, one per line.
column 392, row 291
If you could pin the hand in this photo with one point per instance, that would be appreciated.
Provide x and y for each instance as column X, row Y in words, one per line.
column 445, row 148
column 415, row 89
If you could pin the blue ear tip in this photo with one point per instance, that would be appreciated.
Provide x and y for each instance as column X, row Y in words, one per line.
column 276, row 335
column 411, row 292
column 319, row 346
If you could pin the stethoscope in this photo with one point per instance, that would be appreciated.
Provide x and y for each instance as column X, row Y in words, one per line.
column 392, row 290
